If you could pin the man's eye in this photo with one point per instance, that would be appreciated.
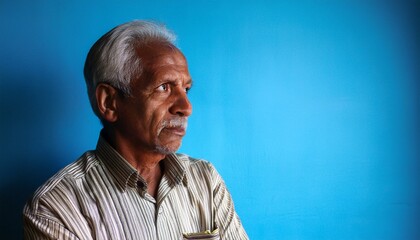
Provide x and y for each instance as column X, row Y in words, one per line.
column 187, row 89
column 162, row 88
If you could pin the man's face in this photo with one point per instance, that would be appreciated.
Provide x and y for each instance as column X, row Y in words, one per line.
column 154, row 117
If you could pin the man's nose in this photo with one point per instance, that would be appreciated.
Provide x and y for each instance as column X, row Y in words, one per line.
column 182, row 105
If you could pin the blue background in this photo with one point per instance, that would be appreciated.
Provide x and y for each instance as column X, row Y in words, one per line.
column 309, row 109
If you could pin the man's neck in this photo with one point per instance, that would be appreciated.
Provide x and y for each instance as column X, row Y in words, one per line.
column 146, row 162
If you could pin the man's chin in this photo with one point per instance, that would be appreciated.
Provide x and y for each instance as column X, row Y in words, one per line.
column 167, row 149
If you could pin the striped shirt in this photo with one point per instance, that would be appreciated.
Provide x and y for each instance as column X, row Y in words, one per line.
column 101, row 196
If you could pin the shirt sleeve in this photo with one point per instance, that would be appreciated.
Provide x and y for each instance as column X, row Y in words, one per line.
column 55, row 215
column 38, row 227
column 226, row 218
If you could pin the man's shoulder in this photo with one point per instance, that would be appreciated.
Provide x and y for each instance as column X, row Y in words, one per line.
column 64, row 180
column 197, row 166
column 193, row 162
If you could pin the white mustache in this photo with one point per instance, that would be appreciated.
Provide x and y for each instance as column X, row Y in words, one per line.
column 174, row 123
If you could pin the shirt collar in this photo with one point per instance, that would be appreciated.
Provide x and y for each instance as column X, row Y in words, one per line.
column 174, row 169
column 126, row 175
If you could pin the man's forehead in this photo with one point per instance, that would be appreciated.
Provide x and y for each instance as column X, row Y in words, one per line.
column 167, row 60
column 161, row 59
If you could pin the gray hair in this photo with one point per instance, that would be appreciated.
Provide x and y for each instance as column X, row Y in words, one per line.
column 113, row 58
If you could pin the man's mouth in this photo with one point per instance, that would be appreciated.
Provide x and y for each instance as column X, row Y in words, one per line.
column 180, row 131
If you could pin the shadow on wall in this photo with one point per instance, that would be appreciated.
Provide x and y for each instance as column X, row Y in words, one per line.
column 27, row 158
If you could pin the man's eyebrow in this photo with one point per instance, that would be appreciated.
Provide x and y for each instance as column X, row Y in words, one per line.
column 190, row 82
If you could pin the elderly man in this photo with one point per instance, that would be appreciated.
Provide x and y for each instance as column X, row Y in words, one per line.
column 134, row 186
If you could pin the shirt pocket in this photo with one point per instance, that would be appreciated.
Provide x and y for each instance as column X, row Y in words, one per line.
column 206, row 235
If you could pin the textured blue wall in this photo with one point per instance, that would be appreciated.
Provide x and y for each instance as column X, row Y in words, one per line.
column 310, row 111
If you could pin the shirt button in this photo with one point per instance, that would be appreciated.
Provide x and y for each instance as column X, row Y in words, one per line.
column 160, row 210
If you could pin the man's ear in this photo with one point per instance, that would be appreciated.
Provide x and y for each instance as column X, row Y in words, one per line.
column 106, row 98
